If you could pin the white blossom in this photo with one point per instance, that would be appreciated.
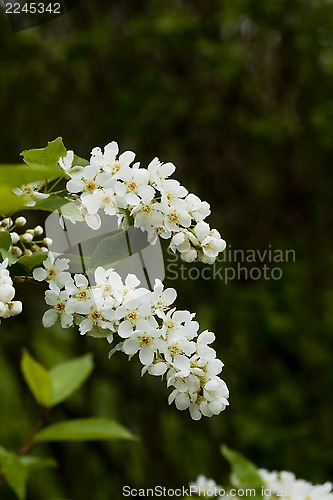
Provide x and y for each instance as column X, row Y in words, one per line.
column 54, row 270
column 30, row 193
column 8, row 306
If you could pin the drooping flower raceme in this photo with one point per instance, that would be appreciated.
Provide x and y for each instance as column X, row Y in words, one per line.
column 144, row 322
column 113, row 184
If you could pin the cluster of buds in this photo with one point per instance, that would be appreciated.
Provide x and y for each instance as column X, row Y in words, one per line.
column 27, row 242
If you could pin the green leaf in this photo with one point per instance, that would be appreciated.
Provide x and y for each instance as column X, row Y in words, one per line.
column 9, row 202
column 244, row 473
column 68, row 377
column 12, row 176
column 80, row 162
column 17, row 175
column 110, row 251
column 8, row 255
column 56, row 203
column 5, row 240
column 46, row 157
column 37, row 462
column 14, row 472
column 88, row 429
column 32, row 261
column 38, row 379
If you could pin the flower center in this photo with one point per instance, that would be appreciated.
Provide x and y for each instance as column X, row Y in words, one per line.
column 107, row 288
column 132, row 186
column 116, row 167
column 208, row 245
column 170, row 324
column 160, row 304
column 173, row 217
column 95, row 316
column 174, row 350
column 146, row 209
column 83, row 295
column 52, row 273
column 90, row 186
column 132, row 316
column 60, row 307
column 106, row 199
column 146, row 340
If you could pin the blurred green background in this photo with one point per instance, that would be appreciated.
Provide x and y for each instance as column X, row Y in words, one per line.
column 239, row 95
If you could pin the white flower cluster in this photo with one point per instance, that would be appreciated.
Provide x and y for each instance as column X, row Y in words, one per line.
column 166, row 340
column 159, row 205
column 26, row 243
column 284, row 485
column 8, row 307
column 276, row 485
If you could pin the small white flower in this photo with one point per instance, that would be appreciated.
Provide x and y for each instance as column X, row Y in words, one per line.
column 30, row 193
column 209, row 240
column 101, row 199
column 147, row 215
column 79, row 295
column 58, row 300
column 175, row 217
column 95, row 318
column 66, row 162
column 108, row 160
column 172, row 191
column 134, row 187
column 162, row 299
column 159, row 171
column 84, row 180
column 197, row 209
column 130, row 312
column 53, row 270
column 92, row 220
column 145, row 340
column 179, row 322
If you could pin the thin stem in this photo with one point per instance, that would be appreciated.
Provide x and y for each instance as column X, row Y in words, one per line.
column 53, row 185
column 29, row 443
